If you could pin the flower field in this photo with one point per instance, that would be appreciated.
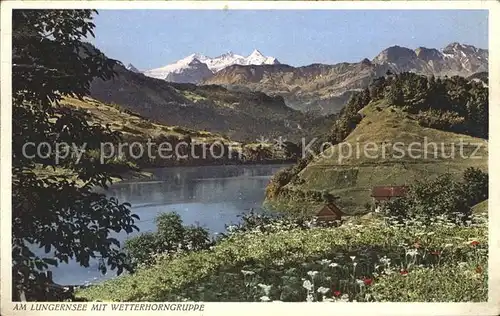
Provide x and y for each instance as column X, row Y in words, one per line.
column 382, row 260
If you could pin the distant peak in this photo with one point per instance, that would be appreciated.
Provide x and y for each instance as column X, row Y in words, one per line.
column 132, row 68
column 195, row 60
column 394, row 53
column 454, row 44
column 366, row 61
column 427, row 54
column 256, row 52
column 195, row 56
column 228, row 54
column 456, row 47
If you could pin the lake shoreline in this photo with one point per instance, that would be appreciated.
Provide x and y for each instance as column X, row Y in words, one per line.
column 207, row 196
column 145, row 172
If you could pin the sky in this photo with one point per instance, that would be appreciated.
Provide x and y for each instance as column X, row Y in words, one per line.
column 154, row 38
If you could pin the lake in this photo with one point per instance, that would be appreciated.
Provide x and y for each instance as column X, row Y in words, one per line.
column 209, row 196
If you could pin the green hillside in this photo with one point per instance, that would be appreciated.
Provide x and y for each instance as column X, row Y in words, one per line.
column 134, row 126
column 481, row 208
column 244, row 116
column 351, row 178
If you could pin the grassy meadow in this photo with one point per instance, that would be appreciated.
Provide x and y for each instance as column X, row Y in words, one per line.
column 380, row 260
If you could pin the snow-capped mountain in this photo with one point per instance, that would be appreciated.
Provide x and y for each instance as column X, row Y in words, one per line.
column 189, row 69
column 132, row 68
column 228, row 59
column 197, row 67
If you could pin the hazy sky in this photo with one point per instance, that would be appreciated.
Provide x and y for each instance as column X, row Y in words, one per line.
column 154, row 38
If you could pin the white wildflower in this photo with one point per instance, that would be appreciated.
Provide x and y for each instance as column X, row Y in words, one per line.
column 325, row 262
column 265, row 288
column 265, row 298
column 333, row 265
column 323, row 290
column 385, row 260
column 353, row 257
column 307, row 285
column 246, row 272
column 310, row 298
column 388, row 271
column 412, row 252
column 312, row 274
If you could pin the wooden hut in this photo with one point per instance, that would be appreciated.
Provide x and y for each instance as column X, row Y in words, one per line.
column 329, row 212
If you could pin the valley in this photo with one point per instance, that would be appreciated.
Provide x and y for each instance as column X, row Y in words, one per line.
column 339, row 175
column 242, row 116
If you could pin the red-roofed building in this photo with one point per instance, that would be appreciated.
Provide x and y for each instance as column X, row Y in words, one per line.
column 385, row 193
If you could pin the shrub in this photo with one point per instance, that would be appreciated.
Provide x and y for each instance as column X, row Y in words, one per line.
column 278, row 181
column 171, row 238
column 427, row 199
column 441, row 196
column 443, row 120
column 142, row 248
column 475, row 185
column 266, row 223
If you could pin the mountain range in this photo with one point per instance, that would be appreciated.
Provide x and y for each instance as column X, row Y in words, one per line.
column 324, row 89
column 197, row 67
column 319, row 88
column 247, row 101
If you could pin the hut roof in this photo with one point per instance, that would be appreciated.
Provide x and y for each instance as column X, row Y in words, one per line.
column 389, row 191
column 329, row 209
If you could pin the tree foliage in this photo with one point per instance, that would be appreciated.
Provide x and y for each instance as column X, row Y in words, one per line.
column 172, row 237
column 453, row 104
column 475, row 186
column 62, row 214
column 442, row 196
column 349, row 116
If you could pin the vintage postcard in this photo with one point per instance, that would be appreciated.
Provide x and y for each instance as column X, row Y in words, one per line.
column 196, row 157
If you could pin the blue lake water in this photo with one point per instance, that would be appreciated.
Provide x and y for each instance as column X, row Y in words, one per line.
column 209, row 196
